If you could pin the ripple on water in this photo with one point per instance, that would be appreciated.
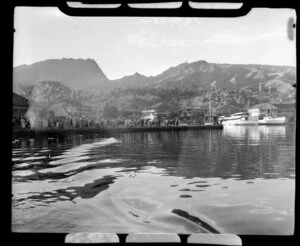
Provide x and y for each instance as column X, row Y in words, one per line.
column 22, row 173
column 111, row 160
column 203, row 186
column 22, row 165
column 34, row 158
column 196, row 182
column 64, row 197
column 189, row 190
column 44, row 150
column 185, row 196
column 152, row 162
column 135, row 215
column 67, row 167
column 77, row 165
column 77, row 152
column 70, row 190
column 68, row 160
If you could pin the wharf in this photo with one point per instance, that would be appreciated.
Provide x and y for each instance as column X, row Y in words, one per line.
column 21, row 133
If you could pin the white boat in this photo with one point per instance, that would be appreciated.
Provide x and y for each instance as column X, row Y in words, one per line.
column 208, row 123
column 238, row 119
column 272, row 120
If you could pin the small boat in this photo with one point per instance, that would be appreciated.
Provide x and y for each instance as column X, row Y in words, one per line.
column 238, row 119
column 272, row 120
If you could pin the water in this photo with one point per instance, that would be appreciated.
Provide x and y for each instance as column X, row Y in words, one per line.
column 237, row 180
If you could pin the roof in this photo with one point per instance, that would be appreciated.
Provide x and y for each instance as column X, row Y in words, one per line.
column 132, row 106
column 131, row 110
column 19, row 100
column 75, row 103
column 148, row 111
column 228, row 108
column 58, row 110
column 196, row 108
column 162, row 107
column 264, row 106
column 163, row 113
column 285, row 105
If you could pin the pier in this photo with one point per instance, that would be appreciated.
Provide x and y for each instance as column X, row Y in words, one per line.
column 25, row 133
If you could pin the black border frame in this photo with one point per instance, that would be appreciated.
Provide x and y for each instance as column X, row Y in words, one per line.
column 183, row 11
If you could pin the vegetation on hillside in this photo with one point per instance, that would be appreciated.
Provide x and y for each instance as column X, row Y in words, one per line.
column 175, row 99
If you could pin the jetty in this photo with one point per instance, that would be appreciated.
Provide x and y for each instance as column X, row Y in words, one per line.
column 50, row 132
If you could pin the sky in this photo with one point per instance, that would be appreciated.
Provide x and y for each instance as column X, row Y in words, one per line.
column 149, row 45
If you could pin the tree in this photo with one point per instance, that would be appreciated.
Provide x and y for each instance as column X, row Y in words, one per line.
column 45, row 94
column 49, row 93
column 26, row 90
column 110, row 111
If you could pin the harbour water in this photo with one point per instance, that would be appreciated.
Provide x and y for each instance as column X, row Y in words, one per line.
column 237, row 180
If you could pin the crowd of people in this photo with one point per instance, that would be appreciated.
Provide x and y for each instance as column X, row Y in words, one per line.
column 69, row 122
column 19, row 122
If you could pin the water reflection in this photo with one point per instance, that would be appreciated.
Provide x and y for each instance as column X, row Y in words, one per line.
column 86, row 191
column 272, row 130
column 136, row 179
column 246, row 151
column 243, row 133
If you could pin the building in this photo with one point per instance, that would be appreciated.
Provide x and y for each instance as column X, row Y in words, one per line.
column 163, row 115
column 288, row 110
column 263, row 109
column 193, row 115
column 20, row 105
column 149, row 114
column 131, row 114
column 77, row 110
column 198, row 115
column 227, row 110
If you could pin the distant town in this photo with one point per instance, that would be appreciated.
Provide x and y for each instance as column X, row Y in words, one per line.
column 198, row 93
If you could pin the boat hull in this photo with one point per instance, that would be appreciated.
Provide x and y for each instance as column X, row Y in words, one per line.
column 208, row 123
column 240, row 122
column 272, row 121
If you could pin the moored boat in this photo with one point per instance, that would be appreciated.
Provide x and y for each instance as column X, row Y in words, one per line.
column 238, row 119
column 209, row 123
column 272, row 120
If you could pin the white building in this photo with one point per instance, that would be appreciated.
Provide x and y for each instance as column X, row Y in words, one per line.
column 254, row 112
column 265, row 109
column 149, row 114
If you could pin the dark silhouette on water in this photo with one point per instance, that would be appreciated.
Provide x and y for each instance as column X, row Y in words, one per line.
column 196, row 220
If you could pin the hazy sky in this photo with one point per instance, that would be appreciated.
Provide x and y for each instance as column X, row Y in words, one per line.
column 148, row 45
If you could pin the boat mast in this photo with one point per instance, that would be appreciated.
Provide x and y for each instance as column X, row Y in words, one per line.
column 259, row 97
column 270, row 99
column 209, row 109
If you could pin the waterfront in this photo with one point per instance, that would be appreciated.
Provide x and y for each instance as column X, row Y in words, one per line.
column 237, row 180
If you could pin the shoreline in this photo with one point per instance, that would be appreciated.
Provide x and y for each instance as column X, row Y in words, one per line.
column 29, row 133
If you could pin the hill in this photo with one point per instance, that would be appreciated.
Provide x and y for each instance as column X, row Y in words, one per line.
column 75, row 73
column 185, row 85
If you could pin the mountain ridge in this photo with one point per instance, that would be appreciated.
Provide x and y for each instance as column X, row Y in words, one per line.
column 86, row 74
column 185, row 85
column 75, row 73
